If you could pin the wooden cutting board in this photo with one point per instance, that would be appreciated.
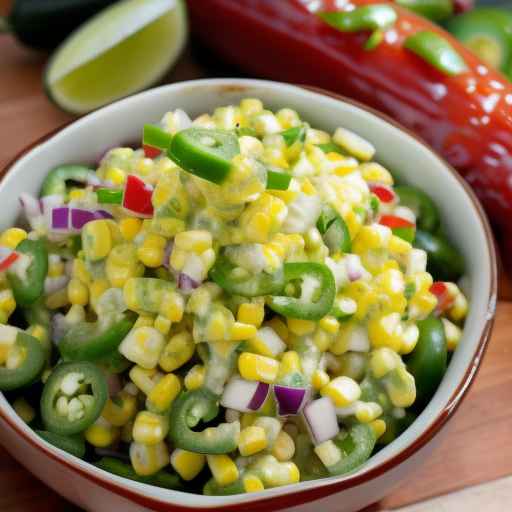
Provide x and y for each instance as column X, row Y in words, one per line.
column 476, row 448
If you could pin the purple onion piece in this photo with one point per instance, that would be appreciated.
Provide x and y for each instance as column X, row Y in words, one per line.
column 60, row 218
column 80, row 217
column 186, row 283
column 290, row 400
column 167, row 254
column 103, row 214
column 259, row 397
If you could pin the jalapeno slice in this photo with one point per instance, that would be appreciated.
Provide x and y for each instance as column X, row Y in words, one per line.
column 28, row 284
column 187, row 411
column 73, row 397
column 204, row 152
column 56, row 180
column 75, row 445
column 428, row 361
column 317, row 292
column 119, row 468
column 90, row 341
column 27, row 361
column 334, row 231
column 444, row 261
column 263, row 283
column 427, row 214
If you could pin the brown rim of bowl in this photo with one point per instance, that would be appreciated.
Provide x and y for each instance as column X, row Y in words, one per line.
column 307, row 495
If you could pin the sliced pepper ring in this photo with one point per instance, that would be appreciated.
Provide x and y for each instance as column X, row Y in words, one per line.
column 87, row 376
column 31, row 366
column 427, row 214
column 334, row 231
column 75, row 445
column 187, row 411
column 319, row 281
column 56, row 179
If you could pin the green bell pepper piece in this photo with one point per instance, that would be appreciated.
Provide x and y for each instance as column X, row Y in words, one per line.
column 294, row 134
column 253, row 286
column 119, row 468
column 28, row 288
column 427, row 214
column 331, row 147
column 315, row 275
column 56, row 180
column 278, row 180
column 109, row 196
column 428, row 361
column 187, row 411
column 75, row 445
column 204, row 152
column 444, row 261
column 29, row 369
column 90, row 341
column 92, row 384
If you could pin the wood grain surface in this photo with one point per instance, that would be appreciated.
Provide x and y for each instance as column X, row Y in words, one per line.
column 477, row 445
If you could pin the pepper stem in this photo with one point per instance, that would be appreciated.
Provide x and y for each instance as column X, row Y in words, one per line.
column 5, row 27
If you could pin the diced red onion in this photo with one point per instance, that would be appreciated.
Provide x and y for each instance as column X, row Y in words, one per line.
column 60, row 218
column 244, row 395
column 80, row 217
column 321, row 420
column 167, row 254
column 102, row 214
column 290, row 401
column 54, row 284
column 186, row 283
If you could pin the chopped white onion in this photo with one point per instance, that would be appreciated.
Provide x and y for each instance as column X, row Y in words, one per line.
column 321, row 420
column 244, row 395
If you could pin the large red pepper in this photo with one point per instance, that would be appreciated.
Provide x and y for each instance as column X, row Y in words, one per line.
column 467, row 118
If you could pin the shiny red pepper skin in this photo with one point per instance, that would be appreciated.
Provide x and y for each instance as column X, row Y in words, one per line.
column 466, row 118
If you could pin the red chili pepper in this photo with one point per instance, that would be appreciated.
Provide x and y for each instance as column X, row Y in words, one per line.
column 137, row 196
column 385, row 194
column 444, row 298
column 467, row 118
column 8, row 260
column 150, row 151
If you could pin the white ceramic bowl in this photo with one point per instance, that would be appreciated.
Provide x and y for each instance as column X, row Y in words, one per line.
column 401, row 152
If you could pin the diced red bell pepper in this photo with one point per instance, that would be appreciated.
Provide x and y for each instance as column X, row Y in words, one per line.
column 385, row 194
column 150, row 151
column 137, row 196
column 8, row 260
column 399, row 226
column 445, row 299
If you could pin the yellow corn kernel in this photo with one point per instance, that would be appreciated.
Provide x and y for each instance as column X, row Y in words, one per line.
column 144, row 379
column 241, row 331
column 284, row 447
column 96, row 240
column 250, row 106
column 320, row 379
column 329, row 324
column 366, row 412
column 276, row 473
column 178, row 258
column 279, row 327
column 143, row 346
column 370, row 237
column 308, row 188
column 266, row 342
column 58, row 299
column 256, row 367
column 343, row 391
column 12, row 237
column 422, row 304
column 118, row 411
column 401, row 387
column 115, row 175
column 173, row 307
column 247, row 419
column 223, row 469
column 322, row 340
column 187, row 464
column 143, row 321
column 130, row 227
column 290, row 364
column 7, row 302
column 179, row 349
column 452, row 333
column 148, row 460
column 354, row 144
column 78, row 293
column 151, row 252
column 386, row 331
column 251, row 313
column 97, row 288
column 162, row 324
column 379, row 427
column 372, row 171
column 252, row 483
column 80, row 271
column 252, row 440
column 150, row 428
column 382, row 361
column 399, row 246
column 163, row 394
column 195, row 240
column 328, row 453
column 217, row 326
column 55, row 267
column 459, row 310
column 300, row 327
column 24, row 410
column 101, row 433
column 410, row 338
column 195, row 377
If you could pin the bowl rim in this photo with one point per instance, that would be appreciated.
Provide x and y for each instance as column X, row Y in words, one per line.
column 311, row 494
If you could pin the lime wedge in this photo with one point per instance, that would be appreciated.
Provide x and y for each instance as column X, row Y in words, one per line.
column 124, row 49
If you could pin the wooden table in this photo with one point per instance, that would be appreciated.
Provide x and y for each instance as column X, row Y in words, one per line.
column 474, row 449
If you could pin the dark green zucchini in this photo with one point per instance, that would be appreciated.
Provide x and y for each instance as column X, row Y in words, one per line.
column 44, row 24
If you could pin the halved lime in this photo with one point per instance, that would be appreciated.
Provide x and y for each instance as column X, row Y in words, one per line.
column 124, row 49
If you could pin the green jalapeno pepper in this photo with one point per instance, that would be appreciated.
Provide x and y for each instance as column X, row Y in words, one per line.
column 204, row 152
column 428, row 360
column 294, row 134
column 307, row 460
column 75, row 445
column 427, row 214
column 334, row 231
column 395, row 426
column 90, row 341
column 32, row 361
column 444, row 261
column 82, row 384
column 253, row 286
column 436, row 10
column 119, row 468
column 109, row 196
column 56, row 180
column 331, row 147
column 28, row 284
column 212, row 488
column 356, row 446
column 113, row 362
column 278, row 180
column 317, row 293
column 437, row 51
column 187, row 411
column 156, row 137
